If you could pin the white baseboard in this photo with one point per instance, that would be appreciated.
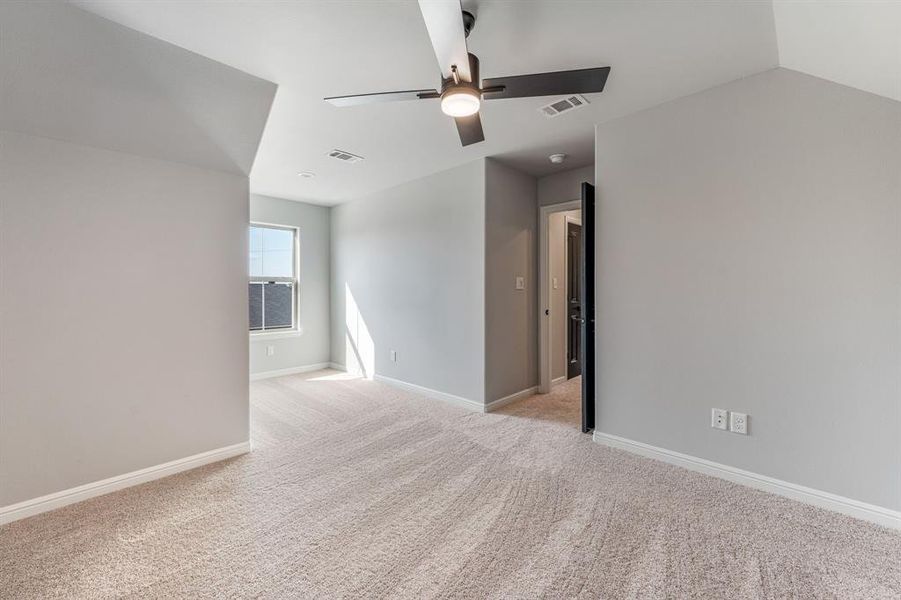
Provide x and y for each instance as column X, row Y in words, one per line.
column 430, row 393
column 854, row 508
column 28, row 508
column 337, row 366
column 496, row 404
column 289, row 371
column 458, row 400
column 559, row 380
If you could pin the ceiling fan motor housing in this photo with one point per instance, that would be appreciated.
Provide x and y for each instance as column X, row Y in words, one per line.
column 448, row 83
column 461, row 98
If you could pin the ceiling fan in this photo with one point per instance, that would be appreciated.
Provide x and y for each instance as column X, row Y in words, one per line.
column 461, row 94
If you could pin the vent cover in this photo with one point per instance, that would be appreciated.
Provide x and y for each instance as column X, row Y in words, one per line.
column 345, row 156
column 563, row 105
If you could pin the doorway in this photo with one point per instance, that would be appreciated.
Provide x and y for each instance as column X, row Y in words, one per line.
column 566, row 281
column 573, row 233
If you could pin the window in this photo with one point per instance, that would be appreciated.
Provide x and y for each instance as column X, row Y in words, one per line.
column 273, row 278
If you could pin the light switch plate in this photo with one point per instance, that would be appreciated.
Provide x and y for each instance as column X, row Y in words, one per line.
column 556, row 285
column 520, row 283
column 394, row 356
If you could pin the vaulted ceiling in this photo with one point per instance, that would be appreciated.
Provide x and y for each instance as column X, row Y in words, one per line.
column 658, row 51
column 71, row 76
column 857, row 44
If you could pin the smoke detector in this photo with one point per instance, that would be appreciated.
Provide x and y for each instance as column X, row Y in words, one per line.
column 344, row 156
column 557, row 159
column 558, row 107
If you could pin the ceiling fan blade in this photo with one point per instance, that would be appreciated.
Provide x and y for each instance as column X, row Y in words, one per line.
column 444, row 21
column 580, row 81
column 470, row 129
column 359, row 99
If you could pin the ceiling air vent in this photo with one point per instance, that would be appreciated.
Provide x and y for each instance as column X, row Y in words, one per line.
column 563, row 105
column 345, row 156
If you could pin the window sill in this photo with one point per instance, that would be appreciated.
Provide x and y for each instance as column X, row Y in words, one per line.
column 276, row 335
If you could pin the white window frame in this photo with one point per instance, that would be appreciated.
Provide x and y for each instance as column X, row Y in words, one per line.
column 295, row 329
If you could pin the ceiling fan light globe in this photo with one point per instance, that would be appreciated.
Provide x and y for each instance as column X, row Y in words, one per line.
column 460, row 103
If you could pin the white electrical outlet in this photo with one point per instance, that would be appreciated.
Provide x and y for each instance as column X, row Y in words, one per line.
column 393, row 355
column 520, row 283
column 718, row 418
column 270, row 350
column 738, row 423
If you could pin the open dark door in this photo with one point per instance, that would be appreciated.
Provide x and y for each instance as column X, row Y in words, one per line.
column 587, row 307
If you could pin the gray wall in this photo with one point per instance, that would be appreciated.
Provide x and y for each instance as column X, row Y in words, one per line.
column 408, row 275
column 123, row 315
column 123, row 271
column 563, row 186
column 511, row 250
column 750, row 259
column 312, row 345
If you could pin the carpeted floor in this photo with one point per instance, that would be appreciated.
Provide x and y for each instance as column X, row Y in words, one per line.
column 357, row 489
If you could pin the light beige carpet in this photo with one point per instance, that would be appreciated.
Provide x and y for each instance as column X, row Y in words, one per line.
column 357, row 490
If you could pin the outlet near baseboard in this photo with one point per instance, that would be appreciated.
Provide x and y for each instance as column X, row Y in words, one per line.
column 738, row 423
column 725, row 420
column 719, row 418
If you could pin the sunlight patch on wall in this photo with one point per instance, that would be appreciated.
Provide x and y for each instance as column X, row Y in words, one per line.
column 359, row 349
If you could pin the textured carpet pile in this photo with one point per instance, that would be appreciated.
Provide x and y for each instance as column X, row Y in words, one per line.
column 358, row 490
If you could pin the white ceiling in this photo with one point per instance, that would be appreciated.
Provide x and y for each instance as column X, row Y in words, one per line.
column 857, row 44
column 657, row 50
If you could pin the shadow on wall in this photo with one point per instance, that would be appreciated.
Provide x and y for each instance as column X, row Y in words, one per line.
column 359, row 349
